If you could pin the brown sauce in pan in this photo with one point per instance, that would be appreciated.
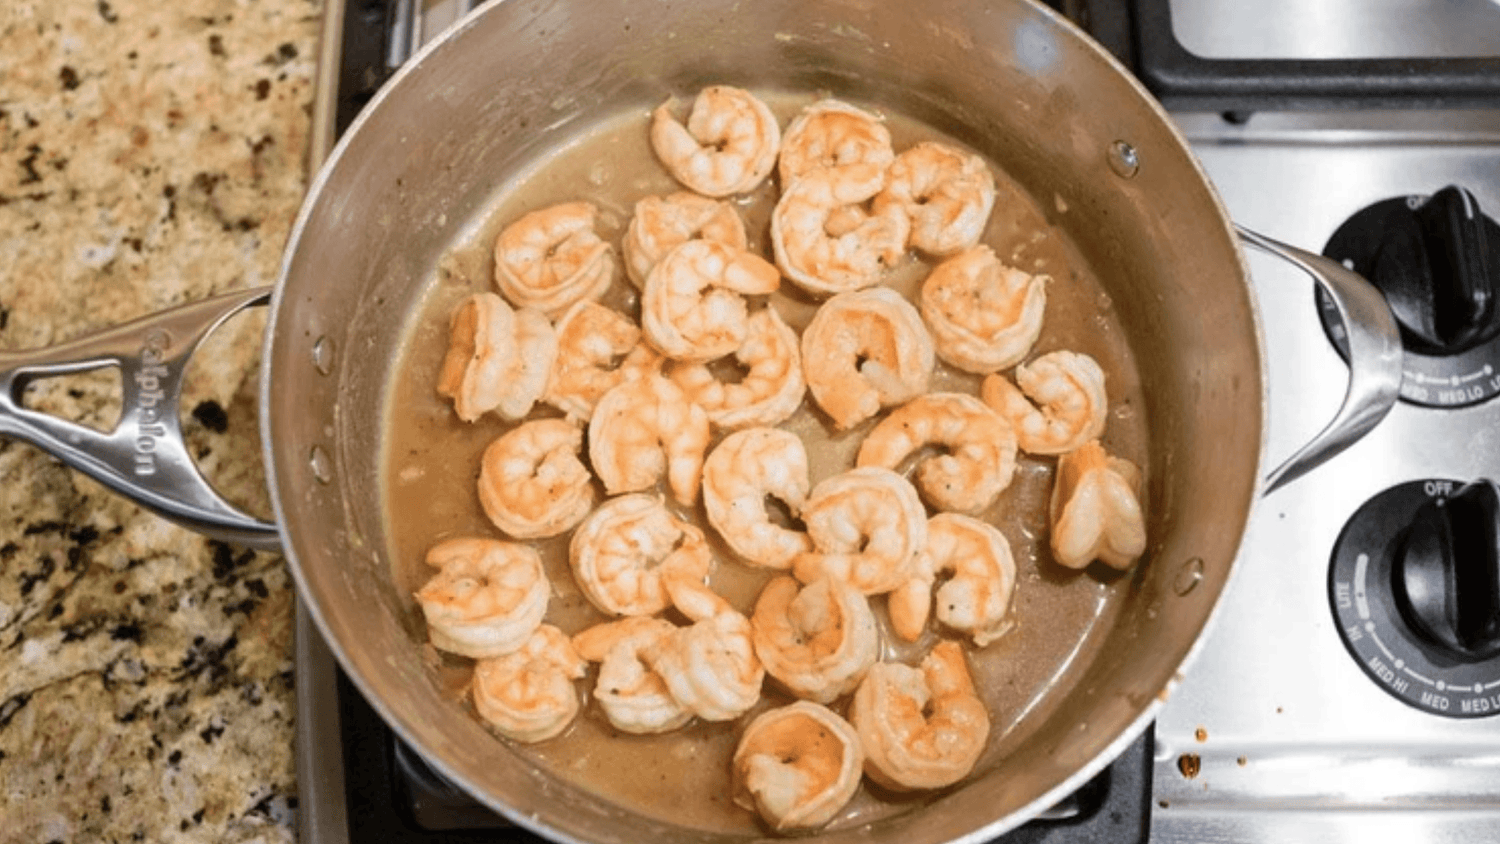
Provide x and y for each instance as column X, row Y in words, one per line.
column 431, row 461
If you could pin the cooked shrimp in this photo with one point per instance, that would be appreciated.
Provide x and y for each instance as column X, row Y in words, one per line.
column 741, row 473
column 646, row 428
column 528, row 694
column 976, row 598
column 531, row 481
column 980, row 456
column 920, row 728
column 868, row 528
column 1068, row 388
column 830, row 133
column 693, row 305
column 598, row 348
column 824, row 240
column 662, row 222
column 633, row 696
column 622, row 553
column 797, row 766
column 487, row 597
column 818, row 640
column 1096, row 509
column 984, row 315
column 481, row 346
column 710, row 666
column 536, row 348
column 946, row 193
column 864, row 351
column 772, row 387
column 728, row 146
column 551, row 259
column 497, row 359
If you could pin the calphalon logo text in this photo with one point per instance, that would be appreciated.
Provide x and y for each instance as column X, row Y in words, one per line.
column 148, row 399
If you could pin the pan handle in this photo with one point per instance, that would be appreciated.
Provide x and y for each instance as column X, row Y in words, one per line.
column 1374, row 357
column 144, row 458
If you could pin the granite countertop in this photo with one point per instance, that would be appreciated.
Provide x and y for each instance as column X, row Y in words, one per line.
column 151, row 153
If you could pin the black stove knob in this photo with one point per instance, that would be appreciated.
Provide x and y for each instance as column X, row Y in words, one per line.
column 1446, row 573
column 1437, row 260
column 1414, row 585
column 1434, row 266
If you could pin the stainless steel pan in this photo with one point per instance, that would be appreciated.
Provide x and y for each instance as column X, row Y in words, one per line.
column 1008, row 77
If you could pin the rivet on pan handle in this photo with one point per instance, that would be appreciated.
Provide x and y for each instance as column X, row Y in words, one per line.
column 144, row 457
column 1374, row 357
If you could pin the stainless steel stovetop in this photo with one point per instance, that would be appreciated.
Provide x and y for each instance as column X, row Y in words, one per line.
column 1279, row 731
column 1289, row 737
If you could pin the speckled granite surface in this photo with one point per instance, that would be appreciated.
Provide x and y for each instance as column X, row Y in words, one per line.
column 151, row 153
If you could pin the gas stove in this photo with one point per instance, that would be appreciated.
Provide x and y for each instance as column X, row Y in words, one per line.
column 1331, row 702
column 1348, row 687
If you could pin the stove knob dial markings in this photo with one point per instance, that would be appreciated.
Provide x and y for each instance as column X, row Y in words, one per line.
column 1416, row 601
column 1437, row 260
